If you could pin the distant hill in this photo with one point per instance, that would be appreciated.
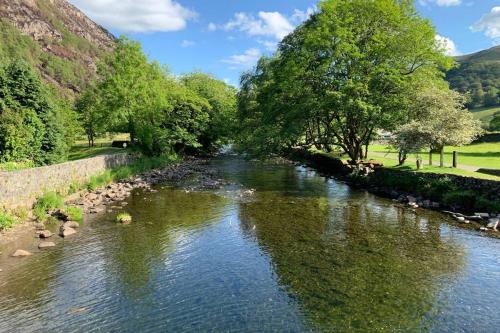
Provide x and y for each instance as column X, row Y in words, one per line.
column 479, row 75
column 56, row 37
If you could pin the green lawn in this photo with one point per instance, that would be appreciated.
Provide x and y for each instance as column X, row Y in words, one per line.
column 411, row 166
column 481, row 155
column 102, row 146
column 485, row 114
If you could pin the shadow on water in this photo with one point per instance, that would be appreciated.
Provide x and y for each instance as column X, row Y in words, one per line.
column 302, row 254
column 353, row 266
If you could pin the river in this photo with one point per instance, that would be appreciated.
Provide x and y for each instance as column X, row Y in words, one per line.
column 301, row 253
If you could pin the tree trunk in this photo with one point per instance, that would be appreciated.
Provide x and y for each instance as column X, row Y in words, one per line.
column 402, row 157
column 430, row 156
column 366, row 150
column 441, row 157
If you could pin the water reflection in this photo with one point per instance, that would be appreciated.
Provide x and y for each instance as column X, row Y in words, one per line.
column 353, row 265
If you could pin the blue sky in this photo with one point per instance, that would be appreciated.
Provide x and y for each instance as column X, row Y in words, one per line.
column 225, row 38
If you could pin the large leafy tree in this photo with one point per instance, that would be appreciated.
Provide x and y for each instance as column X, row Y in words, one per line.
column 222, row 100
column 341, row 76
column 35, row 125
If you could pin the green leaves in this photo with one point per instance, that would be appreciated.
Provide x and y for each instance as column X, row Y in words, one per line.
column 339, row 77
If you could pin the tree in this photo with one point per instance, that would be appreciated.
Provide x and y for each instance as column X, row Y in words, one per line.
column 342, row 75
column 125, row 86
column 222, row 100
column 495, row 122
column 88, row 106
column 36, row 125
column 443, row 121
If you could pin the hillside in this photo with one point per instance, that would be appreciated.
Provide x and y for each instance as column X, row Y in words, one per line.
column 56, row 37
column 478, row 74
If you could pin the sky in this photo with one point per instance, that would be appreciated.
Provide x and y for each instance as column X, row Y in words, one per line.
column 225, row 38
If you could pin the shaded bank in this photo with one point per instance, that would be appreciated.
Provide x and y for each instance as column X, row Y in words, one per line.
column 450, row 191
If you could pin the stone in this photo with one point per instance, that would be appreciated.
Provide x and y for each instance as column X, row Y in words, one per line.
column 426, row 203
column 71, row 224
column 92, row 196
column 482, row 215
column 66, row 231
column 40, row 226
column 411, row 199
column 460, row 218
column 493, row 223
column 435, row 204
column 483, row 229
column 45, row 245
column 45, row 234
column 21, row 253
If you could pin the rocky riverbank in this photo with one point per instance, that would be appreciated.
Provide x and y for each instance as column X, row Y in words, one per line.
column 192, row 174
column 429, row 191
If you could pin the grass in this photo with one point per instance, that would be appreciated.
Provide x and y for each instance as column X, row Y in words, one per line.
column 481, row 155
column 411, row 166
column 6, row 220
column 485, row 114
column 14, row 166
column 74, row 213
column 48, row 201
column 81, row 149
column 138, row 166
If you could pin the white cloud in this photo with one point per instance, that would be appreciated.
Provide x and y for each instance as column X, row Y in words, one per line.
column 300, row 16
column 442, row 3
column 246, row 60
column 270, row 45
column 267, row 24
column 448, row 45
column 490, row 24
column 212, row 26
column 187, row 43
column 137, row 16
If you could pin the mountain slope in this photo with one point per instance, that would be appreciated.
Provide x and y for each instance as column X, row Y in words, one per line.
column 56, row 37
column 478, row 74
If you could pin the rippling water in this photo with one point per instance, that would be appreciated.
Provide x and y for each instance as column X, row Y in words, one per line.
column 301, row 254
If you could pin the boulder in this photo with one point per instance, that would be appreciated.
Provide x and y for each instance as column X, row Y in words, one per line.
column 45, row 234
column 45, row 245
column 411, row 199
column 66, row 231
column 482, row 215
column 460, row 218
column 21, row 253
column 71, row 224
column 493, row 223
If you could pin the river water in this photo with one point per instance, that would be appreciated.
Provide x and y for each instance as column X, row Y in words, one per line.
column 303, row 253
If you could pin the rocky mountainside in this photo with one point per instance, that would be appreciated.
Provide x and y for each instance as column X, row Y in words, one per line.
column 56, row 37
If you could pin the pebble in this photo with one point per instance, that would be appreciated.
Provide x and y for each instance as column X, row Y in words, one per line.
column 21, row 253
column 66, row 231
column 44, row 245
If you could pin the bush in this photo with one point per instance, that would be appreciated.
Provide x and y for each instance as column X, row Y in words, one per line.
column 74, row 213
column 50, row 200
column 465, row 199
column 6, row 220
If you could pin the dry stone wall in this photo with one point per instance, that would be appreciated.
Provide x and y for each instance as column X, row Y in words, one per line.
column 21, row 188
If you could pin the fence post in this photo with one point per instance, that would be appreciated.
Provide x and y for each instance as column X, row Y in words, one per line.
column 455, row 156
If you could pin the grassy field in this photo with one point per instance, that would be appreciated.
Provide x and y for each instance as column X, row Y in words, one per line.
column 485, row 114
column 102, row 145
column 481, row 155
column 411, row 166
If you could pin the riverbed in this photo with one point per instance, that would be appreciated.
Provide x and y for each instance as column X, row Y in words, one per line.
column 279, row 248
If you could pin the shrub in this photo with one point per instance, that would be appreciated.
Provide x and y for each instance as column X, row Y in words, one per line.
column 464, row 199
column 50, row 200
column 6, row 220
column 74, row 213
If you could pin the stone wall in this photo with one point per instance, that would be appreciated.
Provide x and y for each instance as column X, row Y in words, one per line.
column 21, row 188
